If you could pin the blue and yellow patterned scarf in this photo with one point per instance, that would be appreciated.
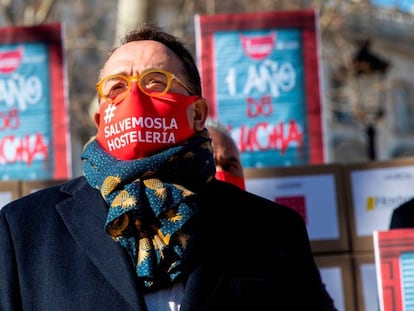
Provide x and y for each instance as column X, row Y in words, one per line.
column 151, row 203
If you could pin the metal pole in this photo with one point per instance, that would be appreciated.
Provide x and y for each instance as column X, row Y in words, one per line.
column 371, row 137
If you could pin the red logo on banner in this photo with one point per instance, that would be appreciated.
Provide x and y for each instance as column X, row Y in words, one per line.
column 258, row 47
column 10, row 60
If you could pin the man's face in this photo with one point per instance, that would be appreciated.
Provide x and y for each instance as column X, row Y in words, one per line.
column 226, row 154
column 135, row 57
column 179, row 111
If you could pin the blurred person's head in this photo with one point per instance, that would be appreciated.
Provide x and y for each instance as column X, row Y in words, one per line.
column 226, row 154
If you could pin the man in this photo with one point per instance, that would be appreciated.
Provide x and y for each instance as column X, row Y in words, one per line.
column 148, row 227
column 226, row 154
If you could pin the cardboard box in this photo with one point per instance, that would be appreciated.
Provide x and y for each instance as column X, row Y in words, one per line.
column 9, row 191
column 316, row 192
column 374, row 189
column 365, row 281
column 336, row 273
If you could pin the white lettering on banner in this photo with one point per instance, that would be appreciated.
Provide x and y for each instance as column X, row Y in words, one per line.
column 23, row 149
column 140, row 136
column 268, row 76
column 9, row 62
column 20, row 91
column 142, row 122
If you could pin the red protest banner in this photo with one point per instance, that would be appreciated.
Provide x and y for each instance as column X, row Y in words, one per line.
column 260, row 75
column 34, row 122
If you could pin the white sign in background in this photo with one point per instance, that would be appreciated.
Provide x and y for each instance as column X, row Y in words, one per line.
column 369, row 286
column 332, row 278
column 320, row 197
column 5, row 197
column 376, row 192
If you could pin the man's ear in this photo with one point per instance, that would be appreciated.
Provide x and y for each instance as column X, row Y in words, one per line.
column 96, row 119
column 200, row 115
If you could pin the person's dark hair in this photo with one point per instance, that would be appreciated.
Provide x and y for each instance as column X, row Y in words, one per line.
column 155, row 33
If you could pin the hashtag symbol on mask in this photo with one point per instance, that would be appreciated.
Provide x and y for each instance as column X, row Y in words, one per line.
column 109, row 113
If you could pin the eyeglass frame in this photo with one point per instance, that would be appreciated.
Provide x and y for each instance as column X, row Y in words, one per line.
column 137, row 78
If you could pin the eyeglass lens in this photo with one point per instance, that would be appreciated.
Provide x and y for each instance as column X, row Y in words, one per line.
column 151, row 81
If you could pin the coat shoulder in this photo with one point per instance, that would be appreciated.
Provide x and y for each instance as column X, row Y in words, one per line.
column 225, row 197
column 44, row 197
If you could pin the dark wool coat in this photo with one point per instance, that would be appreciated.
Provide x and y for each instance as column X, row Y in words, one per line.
column 253, row 255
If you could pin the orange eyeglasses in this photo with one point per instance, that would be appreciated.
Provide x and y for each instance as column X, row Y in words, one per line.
column 154, row 82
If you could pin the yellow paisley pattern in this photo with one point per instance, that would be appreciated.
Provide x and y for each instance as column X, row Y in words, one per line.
column 164, row 238
column 157, row 186
column 144, row 248
column 109, row 185
column 124, row 200
column 159, row 245
column 185, row 191
column 173, row 216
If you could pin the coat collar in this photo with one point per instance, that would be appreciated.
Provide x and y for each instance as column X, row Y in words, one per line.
column 84, row 213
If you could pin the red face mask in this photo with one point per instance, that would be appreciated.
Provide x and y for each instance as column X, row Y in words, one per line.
column 227, row 177
column 141, row 125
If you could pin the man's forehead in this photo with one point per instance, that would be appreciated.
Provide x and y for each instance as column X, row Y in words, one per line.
column 137, row 56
